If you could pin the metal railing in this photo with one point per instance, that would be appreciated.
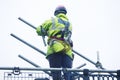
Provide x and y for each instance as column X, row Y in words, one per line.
column 77, row 74
column 26, row 76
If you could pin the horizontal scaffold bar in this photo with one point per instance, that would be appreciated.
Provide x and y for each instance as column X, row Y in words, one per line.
column 56, row 69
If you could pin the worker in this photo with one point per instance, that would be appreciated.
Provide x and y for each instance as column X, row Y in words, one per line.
column 58, row 29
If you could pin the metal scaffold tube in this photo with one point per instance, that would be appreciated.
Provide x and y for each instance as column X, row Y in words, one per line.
column 57, row 69
column 35, row 65
column 25, row 59
column 84, row 57
column 43, row 37
column 28, row 44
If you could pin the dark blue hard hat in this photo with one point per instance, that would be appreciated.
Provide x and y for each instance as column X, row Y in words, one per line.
column 60, row 9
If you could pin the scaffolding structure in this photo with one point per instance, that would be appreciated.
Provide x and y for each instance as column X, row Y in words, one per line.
column 38, row 73
column 16, row 73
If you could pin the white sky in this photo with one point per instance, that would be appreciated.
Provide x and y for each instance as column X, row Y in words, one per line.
column 96, row 27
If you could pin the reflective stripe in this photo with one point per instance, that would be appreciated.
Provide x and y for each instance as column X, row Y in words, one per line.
column 53, row 24
column 63, row 31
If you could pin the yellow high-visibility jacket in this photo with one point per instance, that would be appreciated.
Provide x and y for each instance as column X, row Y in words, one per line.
column 52, row 28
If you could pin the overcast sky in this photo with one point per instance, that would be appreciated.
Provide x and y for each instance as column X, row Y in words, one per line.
column 96, row 27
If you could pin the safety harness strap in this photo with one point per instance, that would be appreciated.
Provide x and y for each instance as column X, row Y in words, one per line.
column 66, row 29
column 64, row 32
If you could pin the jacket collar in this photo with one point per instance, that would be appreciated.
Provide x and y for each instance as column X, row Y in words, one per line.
column 62, row 16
